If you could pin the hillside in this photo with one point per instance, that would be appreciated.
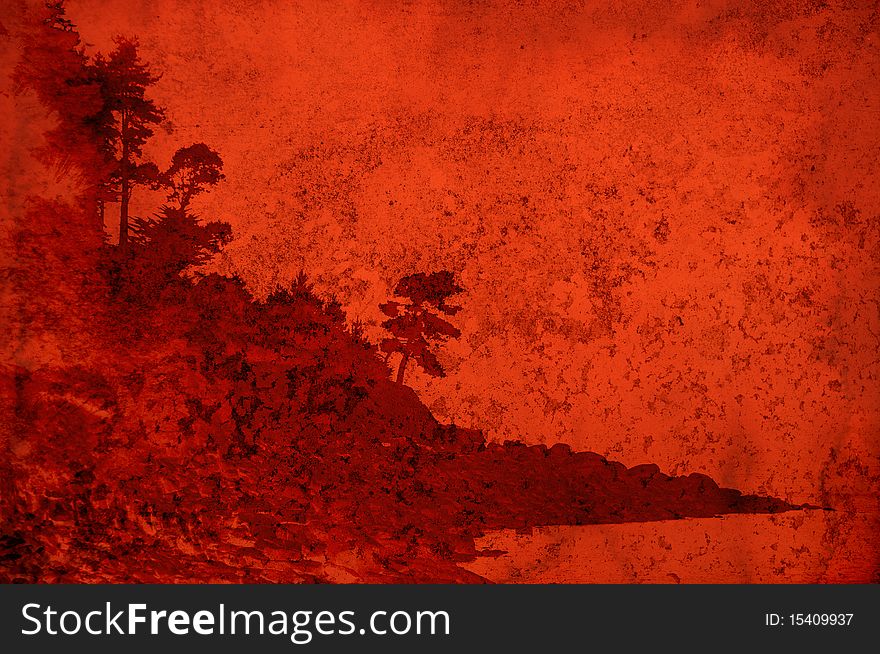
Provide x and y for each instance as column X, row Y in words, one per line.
column 211, row 437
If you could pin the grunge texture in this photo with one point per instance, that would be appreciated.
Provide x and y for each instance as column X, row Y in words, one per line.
column 440, row 291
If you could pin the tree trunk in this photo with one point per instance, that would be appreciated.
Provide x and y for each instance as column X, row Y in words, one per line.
column 124, row 175
column 123, row 214
column 402, row 368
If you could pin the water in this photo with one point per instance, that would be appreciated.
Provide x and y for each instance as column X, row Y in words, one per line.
column 797, row 547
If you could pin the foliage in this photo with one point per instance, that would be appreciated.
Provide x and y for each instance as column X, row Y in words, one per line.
column 193, row 169
column 128, row 123
column 414, row 323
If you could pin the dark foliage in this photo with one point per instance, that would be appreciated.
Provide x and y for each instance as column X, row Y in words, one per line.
column 414, row 323
column 129, row 118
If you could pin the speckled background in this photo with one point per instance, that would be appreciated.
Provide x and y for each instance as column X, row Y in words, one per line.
column 665, row 216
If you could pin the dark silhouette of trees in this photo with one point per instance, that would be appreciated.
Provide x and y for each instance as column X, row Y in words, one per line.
column 102, row 120
column 414, row 323
column 124, row 79
column 102, row 116
column 193, row 169
column 174, row 239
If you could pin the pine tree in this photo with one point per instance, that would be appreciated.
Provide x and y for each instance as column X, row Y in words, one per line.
column 124, row 79
column 415, row 325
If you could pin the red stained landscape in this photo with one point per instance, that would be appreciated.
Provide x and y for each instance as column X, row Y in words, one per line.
column 440, row 292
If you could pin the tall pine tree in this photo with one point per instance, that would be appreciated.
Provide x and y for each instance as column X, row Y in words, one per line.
column 124, row 79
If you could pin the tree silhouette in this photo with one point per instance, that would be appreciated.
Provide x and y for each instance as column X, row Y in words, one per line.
column 124, row 79
column 174, row 239
column 193, row 169
column 415, row 325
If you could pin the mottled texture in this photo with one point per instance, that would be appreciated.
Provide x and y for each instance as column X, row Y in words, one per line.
column 663, row 214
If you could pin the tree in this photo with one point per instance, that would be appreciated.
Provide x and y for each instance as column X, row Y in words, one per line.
column 414, row 323
column 54, row 66
column 174, row 239
column 193, row 169
column 124, row 79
